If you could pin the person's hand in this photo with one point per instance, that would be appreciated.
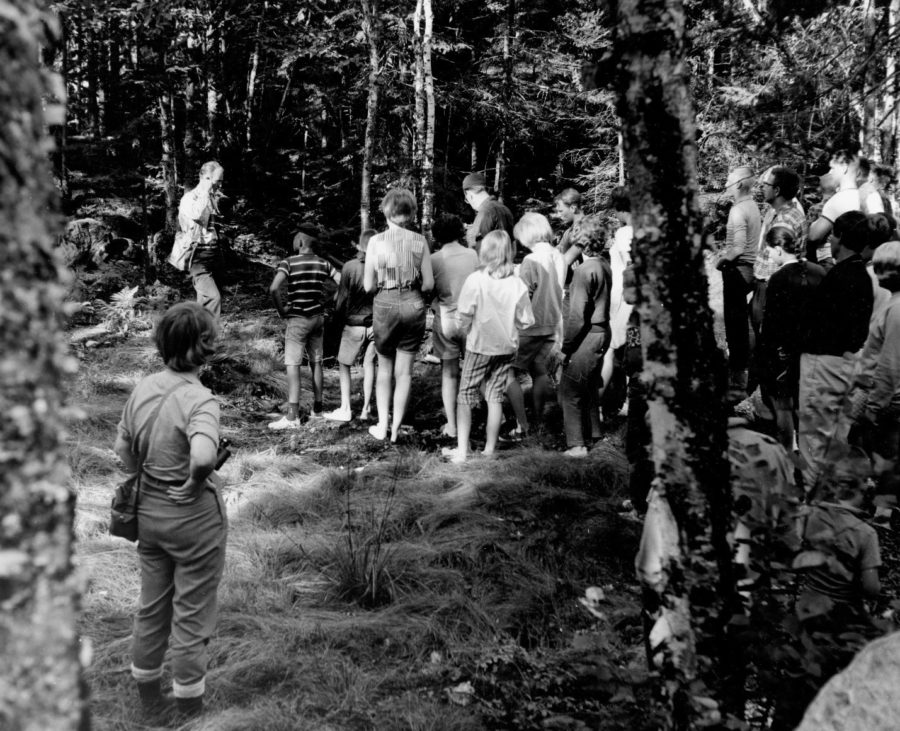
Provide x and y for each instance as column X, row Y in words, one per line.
column 722, row 263
column 186, row 493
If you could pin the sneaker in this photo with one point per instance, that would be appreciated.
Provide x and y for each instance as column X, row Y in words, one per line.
column 576, row 452
column 339, row 415
column 452, row 455
column 284, row 423
column 375, row 432
column 513, row 436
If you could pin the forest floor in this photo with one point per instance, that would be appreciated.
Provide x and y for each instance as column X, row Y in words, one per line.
column 369, row 586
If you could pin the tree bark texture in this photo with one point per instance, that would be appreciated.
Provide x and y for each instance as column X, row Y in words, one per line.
column 167, row 161
column 371, row 28
column 683, row 368
column 40, row 686
column 428, row 142
column 871, row 92
column 418, row 95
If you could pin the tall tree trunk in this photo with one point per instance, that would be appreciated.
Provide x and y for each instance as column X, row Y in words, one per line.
column 870, row 92
column 428, row 146
column 251, row 81
column 39, row 594
column 372, row 29
column 113, row 72
column 508, row 61
column 167, row 161
column 684, row 369
column 889, row 123
column 213, row 70
column 91, row 49
column 418, row 150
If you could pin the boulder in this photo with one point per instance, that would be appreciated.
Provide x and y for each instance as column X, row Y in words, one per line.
column 863, row 697
column 85, row 241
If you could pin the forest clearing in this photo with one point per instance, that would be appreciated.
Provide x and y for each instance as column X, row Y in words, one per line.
column 622, row 280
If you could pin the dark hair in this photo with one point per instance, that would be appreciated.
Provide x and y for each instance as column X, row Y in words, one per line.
column 620, row 200
column 363, row 243
column 591, row 234
column 399, row 205
column 865, row 167
column 786, row 180
column 569, row 197
column 882, row 227
column 844, row 157
column 885, row 174
column 448, row 227
column 784, row 237
column 185, row 336
column 852, row 230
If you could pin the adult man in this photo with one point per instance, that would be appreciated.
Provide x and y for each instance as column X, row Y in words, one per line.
column 780, row 186
column 491, row 214
column 844, row 171
column 195, row 219
column 567, row 208
column 736, row 264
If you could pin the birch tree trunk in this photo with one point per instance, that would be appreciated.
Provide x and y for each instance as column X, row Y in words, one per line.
column 683, row 368
column 889, row 124
column 869, row 146
column 371, row 28
column 428, row 145
column 167, row 161
column 39, row 595
column 418, row 151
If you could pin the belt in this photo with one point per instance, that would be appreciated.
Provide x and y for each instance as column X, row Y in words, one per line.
column 402, row 288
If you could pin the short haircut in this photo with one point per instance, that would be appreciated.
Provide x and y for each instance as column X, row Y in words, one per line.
column 743, row 176
column 448, row 227
column 185, row 336
column 496, row 254
column 363, row 242
column 474, row 181
column 620, row 200
column 845, row 157
column 399, row 205
column 786, row 180
column 208, row 168
column 533, row 228
column 886, row 263
column 592, row 234
column 304, row 237
column 783, row 236
column 882, row 227
column 569, row 197
column 852, row 230
column 884, row 174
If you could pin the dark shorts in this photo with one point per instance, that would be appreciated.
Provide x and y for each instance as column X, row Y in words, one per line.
column 449, row 343
column 533, row 353
column 398, row 319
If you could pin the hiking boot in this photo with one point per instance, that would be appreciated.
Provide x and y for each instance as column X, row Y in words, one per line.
column 284, row 423
column 343, row 415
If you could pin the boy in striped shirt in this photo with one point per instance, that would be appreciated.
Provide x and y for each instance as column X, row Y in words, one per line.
column 306, row 275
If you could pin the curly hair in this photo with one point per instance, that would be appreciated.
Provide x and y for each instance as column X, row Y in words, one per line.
column 185, row 336
column 590, row 233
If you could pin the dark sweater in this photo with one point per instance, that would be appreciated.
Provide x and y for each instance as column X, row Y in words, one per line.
column 838, row 317
column 588, row 302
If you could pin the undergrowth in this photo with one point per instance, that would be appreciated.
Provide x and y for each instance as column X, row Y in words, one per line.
column 369, row 587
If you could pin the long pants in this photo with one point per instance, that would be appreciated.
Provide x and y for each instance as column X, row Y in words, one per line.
column 737, row 281
column 824, row 382
column 637, row 444
column 578, row 388
column 205, row 285
column 182, row 556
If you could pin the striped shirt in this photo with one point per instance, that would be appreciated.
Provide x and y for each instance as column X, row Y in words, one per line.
column 397, row 255
column 306, row 278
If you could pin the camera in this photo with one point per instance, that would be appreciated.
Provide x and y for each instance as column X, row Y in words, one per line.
column 223, row 453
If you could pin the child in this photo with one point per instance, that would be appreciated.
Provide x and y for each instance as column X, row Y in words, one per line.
column 493, row 306
column 586, row 337
column 451, row 265
column 306, row 275
column 354, row 304
column 788, row 296
column 544, row 274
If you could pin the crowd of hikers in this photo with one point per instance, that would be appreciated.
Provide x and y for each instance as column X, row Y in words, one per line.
column 812, row 320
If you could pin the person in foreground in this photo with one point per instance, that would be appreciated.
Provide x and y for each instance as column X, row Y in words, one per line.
column 493, row 307
column 398, row 267
column 172, row 421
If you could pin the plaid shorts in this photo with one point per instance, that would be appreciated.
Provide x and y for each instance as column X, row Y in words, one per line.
column 491, row 370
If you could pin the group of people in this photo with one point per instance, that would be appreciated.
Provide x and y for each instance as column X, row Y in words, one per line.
column 504, row 319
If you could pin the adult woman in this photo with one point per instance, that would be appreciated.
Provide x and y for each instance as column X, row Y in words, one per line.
column 172, row 421
column 398, row 267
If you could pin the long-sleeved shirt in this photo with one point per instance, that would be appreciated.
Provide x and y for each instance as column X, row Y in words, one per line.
column 788, row 298
column 588, row 302
column 544, row 273
column 839, row 314
column 352, row 300
column 493, row 311
column 492, row 215
column 881, row 358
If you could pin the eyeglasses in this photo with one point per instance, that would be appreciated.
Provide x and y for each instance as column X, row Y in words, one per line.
column 766, row 182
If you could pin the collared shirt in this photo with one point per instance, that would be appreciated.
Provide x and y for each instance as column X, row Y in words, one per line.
column 397, row 256
column 788, row 215
column 194, row 213
column 496, row 309
column 306, row 278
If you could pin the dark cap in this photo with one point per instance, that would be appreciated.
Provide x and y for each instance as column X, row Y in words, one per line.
column 474, row 180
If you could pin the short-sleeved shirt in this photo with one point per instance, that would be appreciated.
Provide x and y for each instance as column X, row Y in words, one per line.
column 190, row 411
column 840, row 203
column 492, row 216
column 451, row 265
column 497, row 309
column 853, row 542
column 544, row 273
column 306, row 278
column 397, row 257
column 789, row 215
column 352, row 299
